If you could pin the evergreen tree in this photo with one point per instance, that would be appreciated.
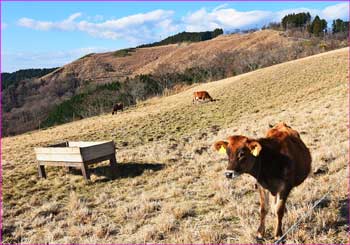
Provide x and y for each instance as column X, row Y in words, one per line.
column 324, row 25
column 217, row 32
column 339, row 25
column 318, row 26
column 299, row 20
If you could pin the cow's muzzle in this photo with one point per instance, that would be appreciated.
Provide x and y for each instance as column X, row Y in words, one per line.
column 231, row 174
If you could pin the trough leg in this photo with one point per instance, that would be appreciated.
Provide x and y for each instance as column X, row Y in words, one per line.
column 85, row 171
column 41, row 169
column 113, row 164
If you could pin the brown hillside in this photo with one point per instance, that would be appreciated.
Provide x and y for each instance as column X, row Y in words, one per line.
column 106, row 67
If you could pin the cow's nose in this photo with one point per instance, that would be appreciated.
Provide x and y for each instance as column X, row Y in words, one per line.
column 228, row 175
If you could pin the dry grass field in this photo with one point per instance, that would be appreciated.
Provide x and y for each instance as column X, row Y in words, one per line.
column 170, row 186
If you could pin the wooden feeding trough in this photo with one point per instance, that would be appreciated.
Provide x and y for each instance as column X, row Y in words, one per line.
column 76, row 154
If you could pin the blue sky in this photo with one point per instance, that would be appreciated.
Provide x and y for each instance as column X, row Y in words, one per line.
column 49, row 34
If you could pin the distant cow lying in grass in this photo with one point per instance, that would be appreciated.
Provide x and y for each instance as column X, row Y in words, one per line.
column 201, row 96
column 278, row 162
column 117, row 107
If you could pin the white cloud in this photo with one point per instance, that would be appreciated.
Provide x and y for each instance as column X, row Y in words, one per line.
column 340, row 10
column 65, row 25
column 24, row 60
column 229, row 18
column 137, row 28
column 226, row 18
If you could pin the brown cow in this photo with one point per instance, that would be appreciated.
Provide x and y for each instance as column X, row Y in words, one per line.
column 201, row 95
column 117, row 107
column 278, row 162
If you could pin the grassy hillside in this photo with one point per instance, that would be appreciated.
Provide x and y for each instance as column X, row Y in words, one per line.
column 28, row 104
column 170, row 186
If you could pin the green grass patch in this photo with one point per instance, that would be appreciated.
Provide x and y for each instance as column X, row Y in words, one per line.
column 124, row 52
column 89, row 103
column 86, row 56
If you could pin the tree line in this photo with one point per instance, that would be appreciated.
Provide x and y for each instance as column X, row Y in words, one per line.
column 14, row 78
column 304, row 22
column 186, row 37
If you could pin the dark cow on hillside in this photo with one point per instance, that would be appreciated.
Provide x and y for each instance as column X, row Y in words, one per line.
column 278, row 162
column 201, row 96
column 117, row 107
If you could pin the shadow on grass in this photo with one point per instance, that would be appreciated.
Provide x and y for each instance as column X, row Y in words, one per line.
column 343, row 212
column 124, row 170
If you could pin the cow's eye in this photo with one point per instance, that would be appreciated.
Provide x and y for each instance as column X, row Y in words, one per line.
column 240, row 155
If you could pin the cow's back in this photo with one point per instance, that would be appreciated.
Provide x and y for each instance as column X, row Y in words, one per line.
column 201, row 95
column 292, row 146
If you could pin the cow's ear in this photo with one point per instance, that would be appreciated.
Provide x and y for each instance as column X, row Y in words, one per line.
column 254, row 147
column 221, row 146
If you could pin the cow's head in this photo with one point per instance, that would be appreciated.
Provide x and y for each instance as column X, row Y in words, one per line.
column 242, row 154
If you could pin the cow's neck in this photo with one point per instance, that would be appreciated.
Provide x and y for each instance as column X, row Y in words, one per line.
column 270, row 168
column 256, row 170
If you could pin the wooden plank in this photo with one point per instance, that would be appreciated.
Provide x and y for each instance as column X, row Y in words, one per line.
column 56, row 163
column 64, row 144
column 85, row 143
column 97, row 151
column 99, row 159
column 59, row 157
column 57, row 150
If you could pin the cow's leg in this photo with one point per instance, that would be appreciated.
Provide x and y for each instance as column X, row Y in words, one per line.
column 264, row 205
column 280, row 209
column 274, row 204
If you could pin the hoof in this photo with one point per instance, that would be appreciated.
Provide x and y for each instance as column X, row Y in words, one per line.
column 261, row 232
column 259, row 239
column 260, row 235
column 283, row 241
